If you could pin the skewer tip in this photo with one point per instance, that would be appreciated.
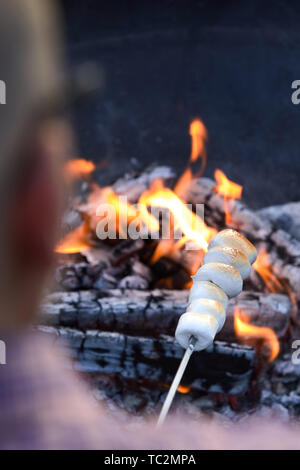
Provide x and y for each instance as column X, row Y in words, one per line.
column 176, row 381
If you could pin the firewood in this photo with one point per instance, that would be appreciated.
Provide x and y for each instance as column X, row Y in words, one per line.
column 154, row 312
column 202, row 191
column 222, row 368
column 132, row 186
column 285, row 217
column 261, row 227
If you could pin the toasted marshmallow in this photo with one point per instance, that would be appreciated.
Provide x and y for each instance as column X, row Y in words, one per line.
column 210, row 307
column 202, row 327
column 229, row 255
column 223, row 275
column 208, row 290
column 226, row 264
column 234, row 239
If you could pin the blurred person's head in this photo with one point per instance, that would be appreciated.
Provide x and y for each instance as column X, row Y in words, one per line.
column 32, row 143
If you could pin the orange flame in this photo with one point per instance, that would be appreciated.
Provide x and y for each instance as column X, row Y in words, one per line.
column 125, row 212
column 183, row 183
column 229, row 190
column 272, row 282
column 75, row 241
column 265, row 270
column 183, row 219
column 253, row 335
column 198, row 135
column 78, row 168
column 190, row 223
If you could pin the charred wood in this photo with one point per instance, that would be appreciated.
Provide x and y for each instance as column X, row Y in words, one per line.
column 222, row 368
column 154, row 312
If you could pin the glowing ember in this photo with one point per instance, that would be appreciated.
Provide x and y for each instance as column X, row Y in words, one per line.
column 183, row 389
column 253, row 335
column 78, row 168
column 229, row 190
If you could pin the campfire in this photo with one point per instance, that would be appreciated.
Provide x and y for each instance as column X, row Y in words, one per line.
column 123, row 269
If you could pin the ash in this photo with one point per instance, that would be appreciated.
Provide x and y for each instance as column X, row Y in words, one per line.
column 274, row 394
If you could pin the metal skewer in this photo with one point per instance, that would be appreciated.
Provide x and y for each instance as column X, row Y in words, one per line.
column 176, row 381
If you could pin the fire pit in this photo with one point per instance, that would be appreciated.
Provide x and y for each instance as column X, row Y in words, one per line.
column 117, row 298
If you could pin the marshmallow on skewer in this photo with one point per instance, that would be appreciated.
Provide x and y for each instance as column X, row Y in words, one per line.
column 211, row 307
column 223, row 275
column 203, row 327
column 228, row 255
column 234, row 239
column 208, row 290
column 226, row 265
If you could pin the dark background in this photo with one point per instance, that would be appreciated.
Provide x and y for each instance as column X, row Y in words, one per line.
column 165, row 62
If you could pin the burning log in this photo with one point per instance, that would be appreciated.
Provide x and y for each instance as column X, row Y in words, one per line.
column 283, row 250
column 265, row 310
column 202, row 190
column 222, row 368
column 151, row 313
column 132, row 186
